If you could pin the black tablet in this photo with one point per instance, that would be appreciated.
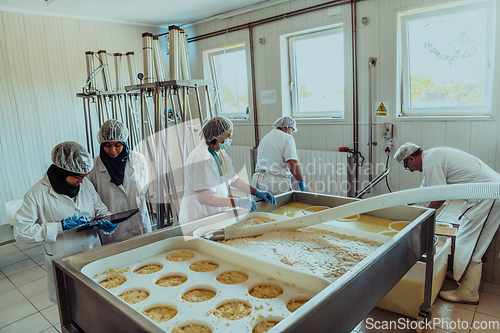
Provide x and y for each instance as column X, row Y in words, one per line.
column 115, row 218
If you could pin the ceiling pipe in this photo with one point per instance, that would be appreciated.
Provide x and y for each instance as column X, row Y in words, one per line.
column 269, row 19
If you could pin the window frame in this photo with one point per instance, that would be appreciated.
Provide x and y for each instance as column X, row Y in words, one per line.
column 329, row 30
column 210, row 71
column 404, row 108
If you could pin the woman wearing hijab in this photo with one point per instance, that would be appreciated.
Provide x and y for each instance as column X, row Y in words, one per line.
column 62, row 200
column 120, row 177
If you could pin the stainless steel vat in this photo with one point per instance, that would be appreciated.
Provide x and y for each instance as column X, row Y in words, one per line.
column 86, row 307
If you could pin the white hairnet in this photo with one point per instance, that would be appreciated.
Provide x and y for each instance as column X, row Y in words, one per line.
column 112, row 130
column 71, row 156
column 404, row 151
column 286, row 121
column 215, row 127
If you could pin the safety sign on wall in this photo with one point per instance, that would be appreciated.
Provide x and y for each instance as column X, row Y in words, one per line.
column 381, row 109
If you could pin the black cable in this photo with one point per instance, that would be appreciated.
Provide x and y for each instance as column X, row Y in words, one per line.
column 387, row 177
column 355, row 157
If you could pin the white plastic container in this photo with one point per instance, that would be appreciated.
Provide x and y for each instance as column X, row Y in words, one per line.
column 407, row 296
column 295, row 284
column 11, row 208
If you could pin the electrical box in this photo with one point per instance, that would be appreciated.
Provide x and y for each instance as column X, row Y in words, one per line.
column 387, row 130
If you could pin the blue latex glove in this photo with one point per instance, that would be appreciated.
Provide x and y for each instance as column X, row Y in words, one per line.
column 247, row 203
column 302, row 186
column 268, row 196
column 73, row 222
column 106, row 225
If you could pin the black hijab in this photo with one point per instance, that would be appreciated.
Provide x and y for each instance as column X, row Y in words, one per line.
column 57, row 178
column 115, row 166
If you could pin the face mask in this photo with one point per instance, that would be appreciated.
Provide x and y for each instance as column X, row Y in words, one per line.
column 225, row 144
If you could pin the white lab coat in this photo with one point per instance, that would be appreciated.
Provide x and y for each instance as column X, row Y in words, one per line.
column 445, row 165
column 201, row 173
column 39, row 221
column 129, row 195
column 271, row 171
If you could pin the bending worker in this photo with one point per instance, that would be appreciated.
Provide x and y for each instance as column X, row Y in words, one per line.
column 120, row 177
column 479, row 219
column 277, row 159
column 209, row 173
column 62, row 200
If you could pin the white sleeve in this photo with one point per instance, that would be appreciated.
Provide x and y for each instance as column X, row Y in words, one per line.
column 100, row 208
column 93, row 173
column 232, row 174
column 434, row 176
column 290, row 150
column 29, row 228
column 204, row 175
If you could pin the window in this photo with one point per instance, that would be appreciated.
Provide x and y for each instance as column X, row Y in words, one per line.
column 447, row 60
column 229, row 71
column 317, row 74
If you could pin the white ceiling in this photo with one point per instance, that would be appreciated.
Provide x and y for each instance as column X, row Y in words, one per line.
column 159, row 13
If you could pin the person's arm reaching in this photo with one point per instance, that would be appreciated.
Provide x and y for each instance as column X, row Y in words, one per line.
column 207, row 197
column 243, row 186
column 293, row 166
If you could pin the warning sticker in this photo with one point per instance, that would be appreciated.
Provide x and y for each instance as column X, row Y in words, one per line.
column 382, row 109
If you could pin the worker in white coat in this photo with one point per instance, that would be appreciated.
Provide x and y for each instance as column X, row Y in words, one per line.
column 277, row 160
column 120, row 177
column 62, row 200
column 209, row 174
column 479, row 219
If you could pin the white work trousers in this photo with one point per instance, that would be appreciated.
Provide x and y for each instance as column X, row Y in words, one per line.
column 475, row 234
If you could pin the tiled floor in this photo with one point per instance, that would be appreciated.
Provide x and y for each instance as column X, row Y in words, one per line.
column 6, row 235
column 446, row 316
column 25, row 307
